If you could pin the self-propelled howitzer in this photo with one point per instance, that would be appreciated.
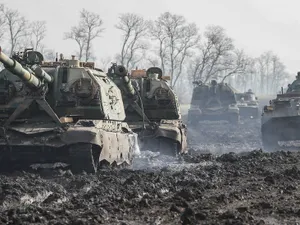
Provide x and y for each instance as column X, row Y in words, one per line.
column 280, row 119
column 213, row 101
column 248, row 104
column 152, row 109
column 66, row 112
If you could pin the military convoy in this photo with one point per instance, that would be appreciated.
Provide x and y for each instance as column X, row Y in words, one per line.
column 69, row 111
column 213, row 101
column 152, row 109
column 63, row 111
column 248, row 104
column 281, row 118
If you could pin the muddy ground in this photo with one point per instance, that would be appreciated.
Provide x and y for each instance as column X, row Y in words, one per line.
column 211, row 185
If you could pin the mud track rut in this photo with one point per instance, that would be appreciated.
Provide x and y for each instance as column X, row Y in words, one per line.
column 247, row 187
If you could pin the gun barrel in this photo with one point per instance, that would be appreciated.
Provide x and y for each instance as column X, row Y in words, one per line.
column 16, row 68
column 122, row 72
column 128, row 85
column 39, row 72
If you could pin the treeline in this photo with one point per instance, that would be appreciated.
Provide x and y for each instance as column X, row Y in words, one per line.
column 176, row 45
column 19, row 33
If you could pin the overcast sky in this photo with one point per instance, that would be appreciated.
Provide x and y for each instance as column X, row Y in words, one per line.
column 255, row 25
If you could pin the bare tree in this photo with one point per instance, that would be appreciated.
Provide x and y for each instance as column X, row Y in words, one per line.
column 248, row 79
column 134, row 28
column 92, row 23
column 77, row 34
column 278, row 73
column 85, row 32
column 153, row 61
column 264, row 61
column 158, row 34
column 211, row 54
column 236, row 63
column 49, row 55
column 105, row 62
column 38, row 32
column 264, row 74
column 17, row 26
column 175, row 38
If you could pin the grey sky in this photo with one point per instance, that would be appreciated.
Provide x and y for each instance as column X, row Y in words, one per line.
column 255, row 25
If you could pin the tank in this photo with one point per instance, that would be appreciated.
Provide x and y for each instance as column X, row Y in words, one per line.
column 248, row 104
column 213, row 101
column 280, row 119
column 64, row 111
column 152, row 109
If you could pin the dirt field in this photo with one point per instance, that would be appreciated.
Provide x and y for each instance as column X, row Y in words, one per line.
column 211, row 185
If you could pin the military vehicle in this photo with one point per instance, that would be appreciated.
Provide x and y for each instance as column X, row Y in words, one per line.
column 213, row 101
column 248, row 104
column 152, row 109
column 280, row 119
column 64, row 111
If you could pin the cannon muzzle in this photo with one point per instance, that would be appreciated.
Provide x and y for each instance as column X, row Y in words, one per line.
column 122, row 72
column 33, row 80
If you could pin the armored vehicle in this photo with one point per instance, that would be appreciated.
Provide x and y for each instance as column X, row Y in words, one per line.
column 152, row 109
column 63, row 111
column 248, row 104
column 213, row 101
column 280, row 119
